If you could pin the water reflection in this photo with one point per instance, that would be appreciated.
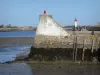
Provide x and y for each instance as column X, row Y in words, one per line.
column 15, row 69
column 10, row 53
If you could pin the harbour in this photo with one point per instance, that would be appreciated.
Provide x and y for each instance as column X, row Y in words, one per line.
column 52, row 48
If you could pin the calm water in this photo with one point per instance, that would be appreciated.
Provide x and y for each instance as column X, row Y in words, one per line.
column 10, row 53
column 17, row 34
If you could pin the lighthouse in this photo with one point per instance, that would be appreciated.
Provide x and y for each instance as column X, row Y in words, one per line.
column 48, row 27
column 49, row 34
column 75, row 22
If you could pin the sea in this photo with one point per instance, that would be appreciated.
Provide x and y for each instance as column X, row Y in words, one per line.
column 10, row 53
column 17, row 34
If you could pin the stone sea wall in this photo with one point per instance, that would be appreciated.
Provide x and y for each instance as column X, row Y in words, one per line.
column 41, row 41
column 74, row 47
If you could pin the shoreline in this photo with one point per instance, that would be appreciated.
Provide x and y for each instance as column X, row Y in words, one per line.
column 62, row 67
column 17, row 29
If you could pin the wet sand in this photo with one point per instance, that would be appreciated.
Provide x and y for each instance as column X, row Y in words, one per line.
column 66, row 70
column 13, row 41
column 15, row 69
column 63, row 68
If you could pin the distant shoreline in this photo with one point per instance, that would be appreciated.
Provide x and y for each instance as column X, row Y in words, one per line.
column 67, row 28
column 17, row 29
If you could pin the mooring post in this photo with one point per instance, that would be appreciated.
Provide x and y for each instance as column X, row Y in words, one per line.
column 75, row 48
column 92, row 47
column 97, row 43
column 83, row 49
column 73, row 44
column 92, row 44
column 93, row 41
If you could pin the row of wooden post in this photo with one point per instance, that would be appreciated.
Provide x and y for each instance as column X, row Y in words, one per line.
column 75, row 47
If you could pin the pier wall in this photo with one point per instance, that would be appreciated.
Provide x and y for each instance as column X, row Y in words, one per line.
column 78, row 46
column 48, row 54
column 66, row 42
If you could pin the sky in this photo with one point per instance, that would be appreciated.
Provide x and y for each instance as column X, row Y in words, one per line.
column 26, row 12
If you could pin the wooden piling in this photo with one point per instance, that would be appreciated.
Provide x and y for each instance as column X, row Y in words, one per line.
column 75, row 48
column 93, row 41
column 97, row 43
column 83, row 49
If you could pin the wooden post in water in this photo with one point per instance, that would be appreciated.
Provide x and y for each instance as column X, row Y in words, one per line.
column 83, row 49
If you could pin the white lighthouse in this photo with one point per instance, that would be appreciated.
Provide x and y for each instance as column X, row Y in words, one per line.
column 75, row 23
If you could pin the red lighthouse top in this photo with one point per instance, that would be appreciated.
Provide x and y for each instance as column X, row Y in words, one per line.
column 44, row 12
column 75, row 19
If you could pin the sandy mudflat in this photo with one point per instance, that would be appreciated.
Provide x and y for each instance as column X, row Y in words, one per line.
column 63, row 68
column 9, row 41
column 66, row 70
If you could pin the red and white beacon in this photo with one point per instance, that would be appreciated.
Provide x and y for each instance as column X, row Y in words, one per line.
column 75, row 22
column 44, row 12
